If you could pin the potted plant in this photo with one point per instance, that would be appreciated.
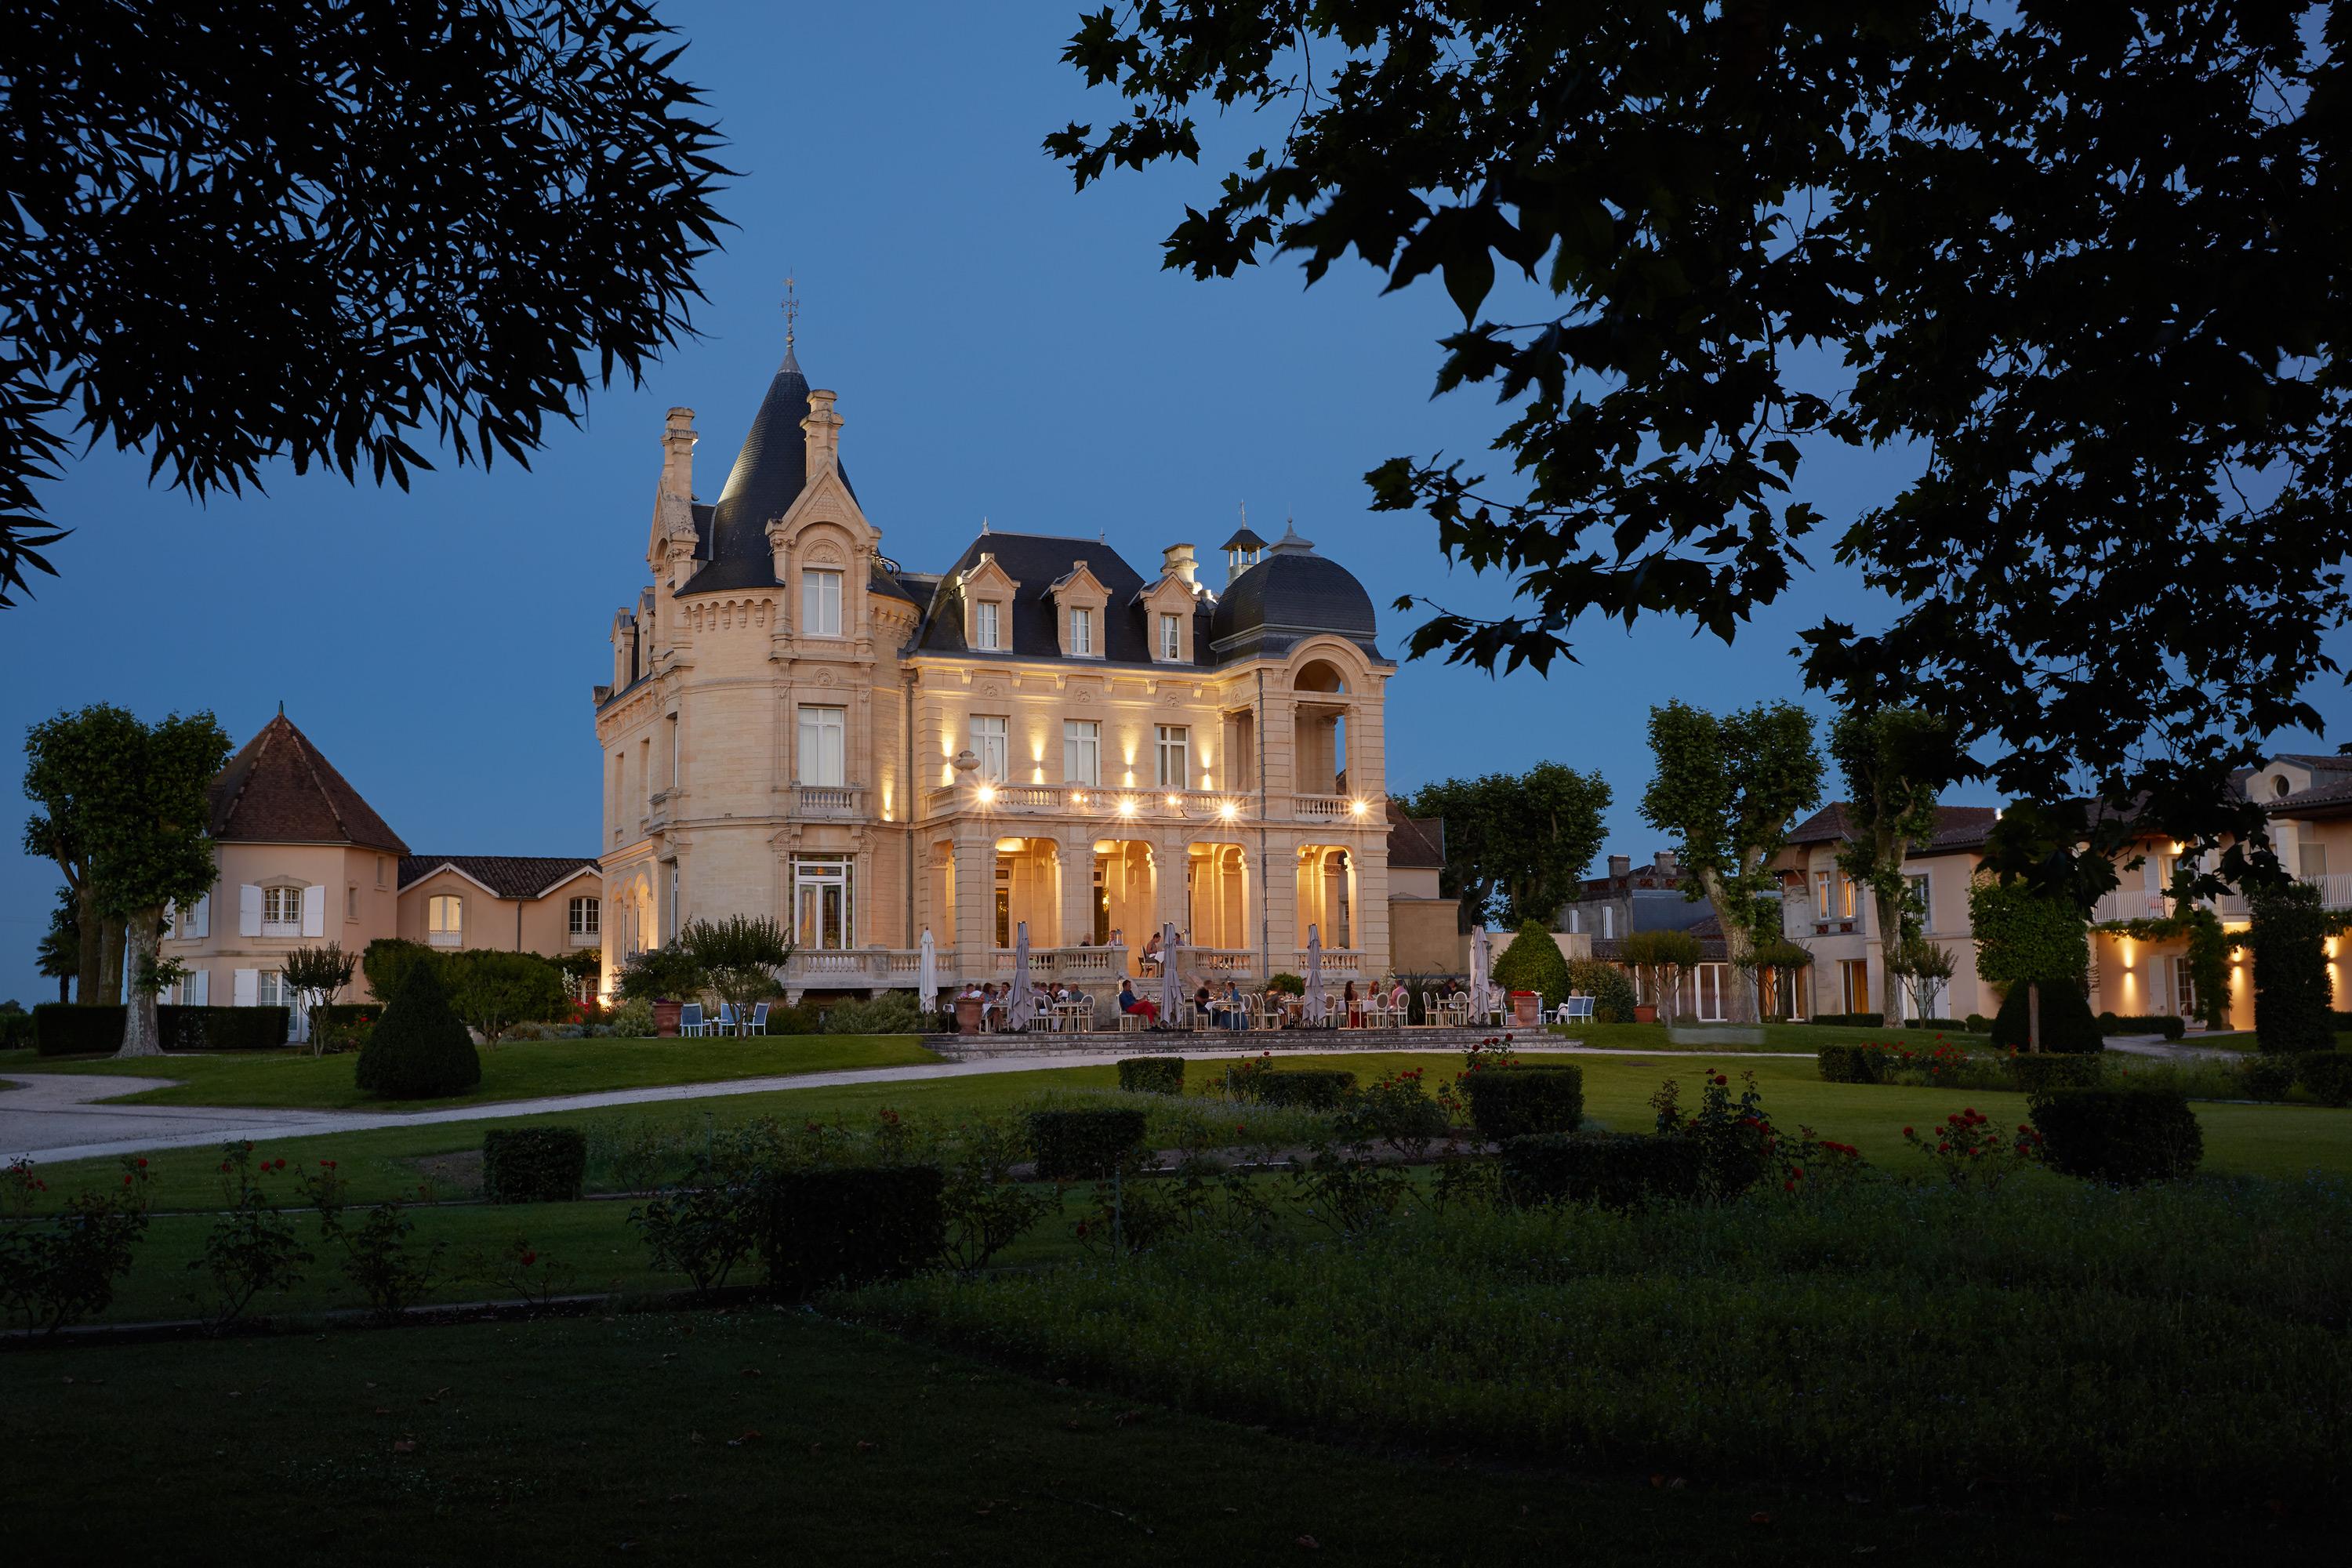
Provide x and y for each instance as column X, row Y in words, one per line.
column 1527, row 1008
column 665, row 977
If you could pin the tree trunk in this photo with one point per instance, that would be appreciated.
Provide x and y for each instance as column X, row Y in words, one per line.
column 93, row 947
column 140, row 1036
column 1742, row 1008
column 1888, row 907
column 113, row 932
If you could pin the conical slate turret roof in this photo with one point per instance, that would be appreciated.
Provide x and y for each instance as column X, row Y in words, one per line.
column 768, row 477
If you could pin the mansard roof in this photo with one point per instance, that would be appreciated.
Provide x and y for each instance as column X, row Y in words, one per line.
column 279, row 789
column 1290, row 595
column 1036, row 561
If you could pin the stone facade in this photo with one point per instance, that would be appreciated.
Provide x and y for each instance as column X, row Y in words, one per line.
column 798, row 727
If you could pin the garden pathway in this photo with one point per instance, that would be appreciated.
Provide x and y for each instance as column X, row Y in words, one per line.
column 53, row 1115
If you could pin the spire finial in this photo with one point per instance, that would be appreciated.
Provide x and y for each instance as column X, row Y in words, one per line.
column 792, row 310
column 983, row 524
column 281, row 707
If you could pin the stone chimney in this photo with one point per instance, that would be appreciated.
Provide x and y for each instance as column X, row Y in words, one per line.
column 678, row 454
column 1179, row 559
column 823, row 428
column 1664, row 862
column 1621, row 865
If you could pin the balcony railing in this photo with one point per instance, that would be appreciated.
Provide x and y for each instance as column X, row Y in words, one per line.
column 1116, row 803
column 2334, row 890
column 1099, row 968
column 1338, row 962
column 828, row 800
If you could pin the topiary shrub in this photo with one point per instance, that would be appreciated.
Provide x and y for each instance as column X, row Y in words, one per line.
column 803, row 1019
column 2171, row 1026
column 2294, row 995
column 2067, row 1027
column 183, row 1028
column 2262, row 1077
column 1977, row 1023
column 1850, row 1064
column 2123, row 1135
column 1305, row 1089
column 1613, row 1170
column 1611, row 988
column 419, row 1049
column 1534, row 963
column 1085, row 1144
column 2326, row 1076
column 387, row 960
column 1152, row 1075
column 892, row 1012
column 2035, row 1074
column 1532, row 1098
column 835, row 1229
column 534, row 1164
column 71, row 1029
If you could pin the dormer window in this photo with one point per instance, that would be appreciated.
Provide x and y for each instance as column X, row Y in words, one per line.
column 988, row 596
column 1083, row 603
column 820, row 604
column 1082, row 631
column 1172, row 638
column 987, row 627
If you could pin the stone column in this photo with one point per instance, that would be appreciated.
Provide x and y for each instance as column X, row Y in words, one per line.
column 975, row 892
column 1075, row 852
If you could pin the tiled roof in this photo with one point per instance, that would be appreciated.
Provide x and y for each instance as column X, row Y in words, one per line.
column 1415, row 842
column 2331, row 798
column 279, row 789
column 1035, row 561
column 1291, row 595
column 507, row 876
column 1956, row 827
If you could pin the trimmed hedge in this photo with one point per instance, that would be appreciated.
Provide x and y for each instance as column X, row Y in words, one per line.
column 2262, row 1077
column 821, row 1229
column 2035, row 1074
column 2326, row 1076
column 1931, row 1023
column 1850, row 1064
column 1306, row 1089
column 2123, row 1135
column 2067, row 1027
column 1977, row 1023
column 1851, row 1020
column 2171, row 1026
column 221, row 1028
column 1152, row 1075
column 419, row 1050
column 1084, row 1144
column 70, row 1029
column 534, row 1164
column 1529, row 1099
column 1614, row 1170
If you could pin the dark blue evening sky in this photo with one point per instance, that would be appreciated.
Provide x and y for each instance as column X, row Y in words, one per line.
column 1002, row 347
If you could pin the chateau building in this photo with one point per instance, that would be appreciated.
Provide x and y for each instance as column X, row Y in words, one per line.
column 1038, row 734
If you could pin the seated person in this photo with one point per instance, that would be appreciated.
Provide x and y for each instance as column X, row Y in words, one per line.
column 1128, row 1002
column 1231, row 1013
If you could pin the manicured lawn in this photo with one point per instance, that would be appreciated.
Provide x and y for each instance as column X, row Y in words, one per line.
column 770, row 1435
column 2284, row 1141
column 523, row 1069
column 1724, row 1037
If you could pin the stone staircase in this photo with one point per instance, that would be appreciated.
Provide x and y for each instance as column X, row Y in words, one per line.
column 1224, row 1042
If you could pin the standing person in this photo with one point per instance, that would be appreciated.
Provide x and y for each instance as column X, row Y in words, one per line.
column 1351, row 1007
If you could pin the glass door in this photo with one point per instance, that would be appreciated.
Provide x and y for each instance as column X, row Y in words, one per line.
column 821, row 908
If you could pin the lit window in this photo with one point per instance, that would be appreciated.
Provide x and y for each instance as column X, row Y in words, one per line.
column 988, row 744
column 1082, row 631
column 821, row 604
column 1915, row 890
column 1081, row 751
column 587, row 917
column 1174, row 748
column 821, row 908
column 823, row 734
column 1172, row 638
column 984, row 627
column 445, row 920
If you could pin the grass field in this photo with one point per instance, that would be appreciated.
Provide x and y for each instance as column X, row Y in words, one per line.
column 520, row 1069
column 768, row 1436
column 1725, row 1037
column 2284, row 1141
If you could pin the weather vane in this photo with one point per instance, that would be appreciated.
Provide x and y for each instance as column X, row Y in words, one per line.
column 792, row 310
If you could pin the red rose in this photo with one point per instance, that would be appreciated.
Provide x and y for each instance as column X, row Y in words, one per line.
column 529, row 1259
column 143, row 1164
column 1907, row 1132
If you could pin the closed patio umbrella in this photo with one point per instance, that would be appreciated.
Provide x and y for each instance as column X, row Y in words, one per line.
column 1016, row 1016
column 927, row 978
column 1478, row 997
column 1312, row 1005
column 1172, row 982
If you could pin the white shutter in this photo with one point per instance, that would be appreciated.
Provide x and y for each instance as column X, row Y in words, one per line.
column 171, row 922
column 200, row 987
column 201, row 924
column 248, row 988
column 248, row 915
column 2152, row 870
column 314, row 911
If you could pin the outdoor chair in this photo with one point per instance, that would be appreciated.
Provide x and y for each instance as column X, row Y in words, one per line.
column 729, row 1024
column 689, row 1021
column 758, row 1025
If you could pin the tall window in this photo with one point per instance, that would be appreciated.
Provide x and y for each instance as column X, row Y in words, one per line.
column 1081, row 751
column 269, row 990
column 379, row 870
column 988, row 744
column 281, row 912
column 2310, row 861
column 2184, row 986
column 1854, row 974
column 984, row 627
column 1172, row 638
column 1175, row 755
column 445, row 920
column 1082, row 631
column 823, row 732
column 820, row 604
column 1916, row 891
column 821, row 908
column 587, row 917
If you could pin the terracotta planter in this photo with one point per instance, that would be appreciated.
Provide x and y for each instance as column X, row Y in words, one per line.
column 1646, row 1013
column 666, row 1017
column 1527, row 1009
column 967, row 1015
